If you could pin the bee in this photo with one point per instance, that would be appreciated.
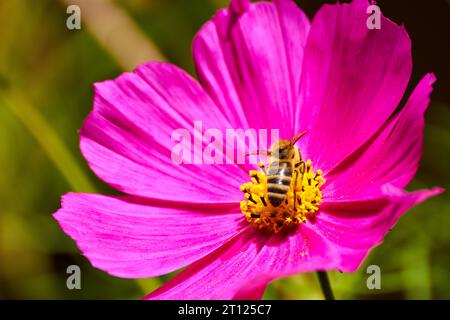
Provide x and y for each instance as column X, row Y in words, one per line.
column 284, row 158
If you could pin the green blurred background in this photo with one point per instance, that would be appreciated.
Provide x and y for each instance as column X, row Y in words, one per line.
column 46, row 77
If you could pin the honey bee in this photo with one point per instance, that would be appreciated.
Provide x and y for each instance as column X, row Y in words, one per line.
column 284, row 158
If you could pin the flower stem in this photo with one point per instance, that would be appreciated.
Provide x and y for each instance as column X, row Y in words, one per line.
column 325, row 285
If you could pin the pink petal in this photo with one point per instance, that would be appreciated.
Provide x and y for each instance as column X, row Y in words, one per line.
column 133, row 238
column 127, row 138
column 352, row 80
column 356, row 227
column 239, row 6
column 242, row 268
column 339, row 238
column 249, row 59
column 390, row 157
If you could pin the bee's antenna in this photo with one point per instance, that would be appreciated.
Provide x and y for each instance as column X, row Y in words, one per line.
column 297, row 137
column 257, row 152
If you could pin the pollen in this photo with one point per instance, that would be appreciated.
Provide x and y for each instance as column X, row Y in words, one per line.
column 301, row 202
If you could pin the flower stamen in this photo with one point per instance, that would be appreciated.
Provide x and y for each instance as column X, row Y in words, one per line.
column 301, row 202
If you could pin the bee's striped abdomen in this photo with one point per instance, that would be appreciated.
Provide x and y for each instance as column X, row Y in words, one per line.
column 279, row 179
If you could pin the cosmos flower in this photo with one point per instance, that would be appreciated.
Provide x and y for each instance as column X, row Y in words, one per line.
column 260, row 65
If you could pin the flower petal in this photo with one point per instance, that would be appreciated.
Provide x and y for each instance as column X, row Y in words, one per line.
column 352, row 80
column 356, row 227
column 339, row 238
column 242, row 268
column 135, row 238
column 392, row 156
column 249, row 59
column 127, row 139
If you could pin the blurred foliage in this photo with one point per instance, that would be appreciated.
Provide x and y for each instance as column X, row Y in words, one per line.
column 46, row 77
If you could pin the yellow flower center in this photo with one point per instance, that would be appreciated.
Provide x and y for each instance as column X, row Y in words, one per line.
column 301, row 202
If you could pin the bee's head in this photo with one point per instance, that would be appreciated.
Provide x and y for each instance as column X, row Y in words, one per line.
column 282, row 149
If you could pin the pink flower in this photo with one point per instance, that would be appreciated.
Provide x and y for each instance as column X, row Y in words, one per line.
column 261, row 65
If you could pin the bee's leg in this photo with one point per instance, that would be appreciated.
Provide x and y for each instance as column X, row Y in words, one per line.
column 295, row 189
column 299, row 169
column 263, row 167
column 301, row 166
